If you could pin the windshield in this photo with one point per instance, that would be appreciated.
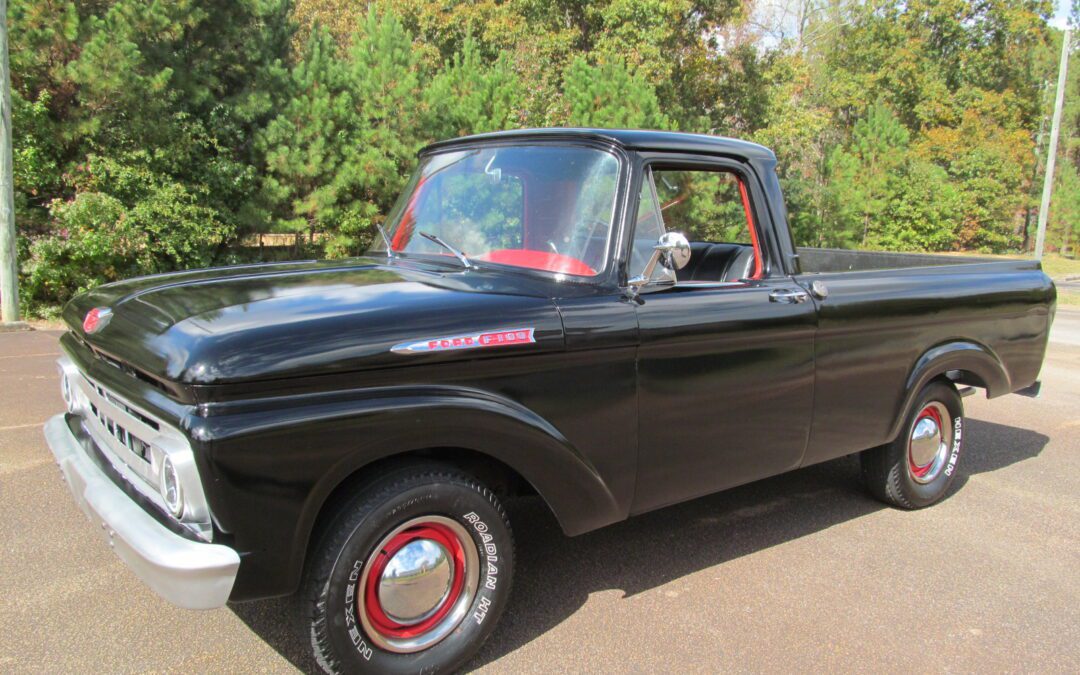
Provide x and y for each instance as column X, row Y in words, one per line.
column 542, row 207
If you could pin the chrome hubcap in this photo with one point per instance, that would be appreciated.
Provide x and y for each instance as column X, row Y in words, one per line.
column 929, row 442
column 925, row 441
column 418, row 584
column 416, row 581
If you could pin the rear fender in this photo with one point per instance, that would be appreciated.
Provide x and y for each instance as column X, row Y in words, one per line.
column 958, row 355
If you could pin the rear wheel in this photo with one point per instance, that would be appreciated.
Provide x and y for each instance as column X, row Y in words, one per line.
column 412, row 576
column 916, row 469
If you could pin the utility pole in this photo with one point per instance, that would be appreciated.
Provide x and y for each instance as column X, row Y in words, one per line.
column 9, row 270
column 1025, row 228
column 1051, row 153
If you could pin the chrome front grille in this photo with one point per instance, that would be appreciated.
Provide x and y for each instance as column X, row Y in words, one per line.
column 138, row 446
column 137, row 443
column 125, row 434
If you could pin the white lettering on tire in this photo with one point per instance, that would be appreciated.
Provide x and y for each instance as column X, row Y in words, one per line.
column 958, row 428
column 355, row 636
column 491, row 554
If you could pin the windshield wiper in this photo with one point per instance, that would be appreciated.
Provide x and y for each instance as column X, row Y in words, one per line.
column 457, row 254
column 386, row 240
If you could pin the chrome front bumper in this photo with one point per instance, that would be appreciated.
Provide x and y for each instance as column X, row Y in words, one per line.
column 187, row 573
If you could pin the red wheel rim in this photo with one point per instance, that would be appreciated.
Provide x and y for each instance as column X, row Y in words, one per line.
column 377, row 616
column 930, row 439
column 929, row 412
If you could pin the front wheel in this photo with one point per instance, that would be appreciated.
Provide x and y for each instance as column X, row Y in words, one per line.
column 916, row 469
column 411, row 578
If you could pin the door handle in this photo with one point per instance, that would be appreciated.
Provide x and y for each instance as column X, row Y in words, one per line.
column 789, row 296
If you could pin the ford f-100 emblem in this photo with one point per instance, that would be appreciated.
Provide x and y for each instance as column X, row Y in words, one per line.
column 493, row 338
column 96, row 319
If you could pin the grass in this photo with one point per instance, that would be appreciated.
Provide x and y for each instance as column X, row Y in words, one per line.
column 1057, row 266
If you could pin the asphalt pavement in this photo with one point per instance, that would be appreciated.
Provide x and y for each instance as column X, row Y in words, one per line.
column 1071, row 284
column 802, row 572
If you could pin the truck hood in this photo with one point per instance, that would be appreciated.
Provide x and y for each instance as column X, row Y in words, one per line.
column 261, row 322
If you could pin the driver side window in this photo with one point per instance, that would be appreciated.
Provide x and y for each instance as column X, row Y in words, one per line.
column 711, row 208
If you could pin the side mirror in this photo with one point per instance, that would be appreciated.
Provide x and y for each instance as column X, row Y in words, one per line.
column 671, row 253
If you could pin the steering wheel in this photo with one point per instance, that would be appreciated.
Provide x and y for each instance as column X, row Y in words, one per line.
column 596, row 224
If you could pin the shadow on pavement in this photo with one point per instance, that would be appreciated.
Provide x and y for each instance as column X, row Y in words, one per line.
column 656, row 548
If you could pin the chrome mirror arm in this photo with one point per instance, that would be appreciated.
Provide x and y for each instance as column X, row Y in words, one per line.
column 645, row 277
column 674, row 251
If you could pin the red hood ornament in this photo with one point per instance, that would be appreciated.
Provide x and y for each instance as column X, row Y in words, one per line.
column 96, row 319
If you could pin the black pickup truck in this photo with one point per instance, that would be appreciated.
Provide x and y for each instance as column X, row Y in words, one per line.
column 613, row 320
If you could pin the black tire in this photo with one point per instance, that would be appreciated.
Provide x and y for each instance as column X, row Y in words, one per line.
column 892, row 474
column 331, row 598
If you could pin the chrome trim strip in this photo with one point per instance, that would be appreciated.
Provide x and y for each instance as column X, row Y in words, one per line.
column 479, row 340
column 187, row 573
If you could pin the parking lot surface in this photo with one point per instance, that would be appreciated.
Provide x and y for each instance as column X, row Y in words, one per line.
column 799, row 572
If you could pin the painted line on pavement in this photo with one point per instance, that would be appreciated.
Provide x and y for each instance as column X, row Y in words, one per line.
column 22, row 426
column 28, row 356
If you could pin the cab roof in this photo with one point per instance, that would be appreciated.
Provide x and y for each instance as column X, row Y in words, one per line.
column 631, row 139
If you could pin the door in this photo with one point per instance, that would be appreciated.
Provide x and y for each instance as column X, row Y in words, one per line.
column 726, row 361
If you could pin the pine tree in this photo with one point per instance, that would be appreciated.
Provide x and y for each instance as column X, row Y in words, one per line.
column 610, row 96
column 307, row 144
column 384, row 81
column 860, row 173
column 468, row 96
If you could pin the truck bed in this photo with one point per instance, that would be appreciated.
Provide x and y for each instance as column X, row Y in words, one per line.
column 832, row 260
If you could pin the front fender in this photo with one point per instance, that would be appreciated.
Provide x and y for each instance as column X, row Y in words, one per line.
column 445, row 417
column 962, row 355
column 284, row 464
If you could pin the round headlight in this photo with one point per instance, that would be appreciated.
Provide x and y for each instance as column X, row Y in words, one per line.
column 171, row 491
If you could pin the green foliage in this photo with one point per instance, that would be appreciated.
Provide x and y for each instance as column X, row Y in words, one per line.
column 94, row 244
column 1064, row 226
column 863, row 175
column 155, row 136
column 148, row 108
column 610, row 96
column 469, row 96
column 986, row 165
column 703, row 206
column 305, row 145
column 384, row 79
column 124, row 221
column 922, row 211
column 962, row 78
column 35, row 154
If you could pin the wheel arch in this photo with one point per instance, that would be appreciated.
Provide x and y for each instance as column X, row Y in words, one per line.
column 495, row 474
column 963, row 362
column 508, row 448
